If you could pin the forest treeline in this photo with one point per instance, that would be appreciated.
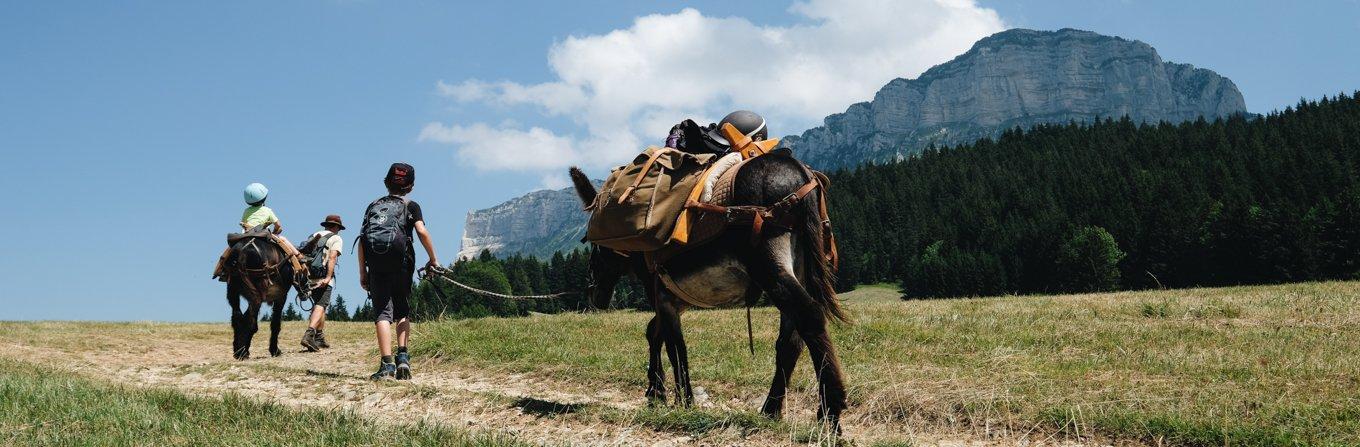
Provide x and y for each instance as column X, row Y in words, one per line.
column 1113, row 205
column 1074, row 207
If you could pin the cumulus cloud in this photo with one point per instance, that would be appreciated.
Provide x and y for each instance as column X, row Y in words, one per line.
column 504, row 148
column 625, row 88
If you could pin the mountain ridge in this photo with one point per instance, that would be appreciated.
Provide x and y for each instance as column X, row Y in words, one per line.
column 1014, row 78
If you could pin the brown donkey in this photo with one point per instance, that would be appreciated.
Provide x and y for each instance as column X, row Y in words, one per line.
column 787, row 264
column 257, row 268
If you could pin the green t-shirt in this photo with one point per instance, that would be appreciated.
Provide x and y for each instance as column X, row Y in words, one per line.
column 255, row 216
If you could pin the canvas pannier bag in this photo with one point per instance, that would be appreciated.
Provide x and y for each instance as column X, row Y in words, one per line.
column 637, row 208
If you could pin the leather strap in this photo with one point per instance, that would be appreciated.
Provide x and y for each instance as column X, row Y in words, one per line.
column 744, row 145
column 705, row 207
column 646, row 167
column 680, row 235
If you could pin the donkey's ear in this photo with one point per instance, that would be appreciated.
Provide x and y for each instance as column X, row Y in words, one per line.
column 584, row 188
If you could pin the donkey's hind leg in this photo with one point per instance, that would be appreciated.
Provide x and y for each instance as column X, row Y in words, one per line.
column 788, row 347
column 774, row 269
column 275, row 321
column 656, row 373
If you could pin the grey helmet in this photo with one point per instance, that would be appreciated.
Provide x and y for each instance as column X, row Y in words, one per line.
column 747, row 122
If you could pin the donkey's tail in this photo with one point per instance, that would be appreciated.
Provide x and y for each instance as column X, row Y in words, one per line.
column 584, row 188
column 819, row 274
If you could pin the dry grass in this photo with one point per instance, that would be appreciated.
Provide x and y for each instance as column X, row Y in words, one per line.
column 1273, row 365
column 1269, row 365
column 45, row 406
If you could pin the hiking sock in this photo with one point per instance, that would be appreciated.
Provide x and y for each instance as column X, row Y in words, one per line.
column 387, row 359
column 401, row 349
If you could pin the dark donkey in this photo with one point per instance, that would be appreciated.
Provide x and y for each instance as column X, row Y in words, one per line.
column 259, row 271
column 785, row 263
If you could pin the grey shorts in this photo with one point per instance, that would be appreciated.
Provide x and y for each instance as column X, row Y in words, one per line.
column 322, row 296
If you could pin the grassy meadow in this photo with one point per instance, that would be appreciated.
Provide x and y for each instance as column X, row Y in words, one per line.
column 1254, row 366
column 44, row 406
column 1261, row 365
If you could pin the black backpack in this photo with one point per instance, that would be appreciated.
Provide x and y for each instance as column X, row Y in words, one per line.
column 314, row 252
column 386, row 244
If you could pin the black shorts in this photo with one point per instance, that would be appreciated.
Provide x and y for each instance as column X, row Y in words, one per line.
column 391, row 293
column 322, row 296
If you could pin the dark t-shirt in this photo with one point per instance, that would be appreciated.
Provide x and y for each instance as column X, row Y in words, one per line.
column 413, row 211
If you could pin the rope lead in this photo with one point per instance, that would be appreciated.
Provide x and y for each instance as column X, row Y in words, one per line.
column 442, row 273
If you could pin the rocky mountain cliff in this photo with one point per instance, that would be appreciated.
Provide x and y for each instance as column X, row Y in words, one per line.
column 1013, row 78
column 1019, row 78
column 539, row 223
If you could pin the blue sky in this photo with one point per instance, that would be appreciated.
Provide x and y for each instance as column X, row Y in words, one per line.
column 128, row 129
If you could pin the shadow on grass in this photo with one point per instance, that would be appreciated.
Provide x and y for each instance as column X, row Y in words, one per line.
column 546, row 408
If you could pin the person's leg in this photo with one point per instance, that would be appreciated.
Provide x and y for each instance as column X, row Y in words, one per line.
column 294, row 257
column 318, row 317
column 311, row 338
column 384, row 304
column 402, row 312
column 381, row 288
column 218, row 273
column 403, row 332
column 321, row 300
column 385, row 338
column 287, row 246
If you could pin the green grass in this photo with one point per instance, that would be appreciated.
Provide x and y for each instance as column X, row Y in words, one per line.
column 40, row 406
column 1271, row 365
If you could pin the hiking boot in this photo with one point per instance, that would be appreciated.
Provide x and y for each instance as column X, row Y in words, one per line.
column 403, row 366
column 309, row 340
column 321, row 340
column 385, row 371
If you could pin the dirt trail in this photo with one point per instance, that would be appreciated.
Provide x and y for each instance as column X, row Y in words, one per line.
column 336, row 379
column 196, row 360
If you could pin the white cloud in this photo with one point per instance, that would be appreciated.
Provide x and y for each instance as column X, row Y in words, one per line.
column 502, row 148
column 625, row 88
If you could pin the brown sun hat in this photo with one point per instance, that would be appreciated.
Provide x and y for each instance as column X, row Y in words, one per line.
column 333, row 219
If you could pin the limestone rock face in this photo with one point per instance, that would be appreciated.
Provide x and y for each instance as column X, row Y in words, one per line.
column 1019, row 78
column 539, row 223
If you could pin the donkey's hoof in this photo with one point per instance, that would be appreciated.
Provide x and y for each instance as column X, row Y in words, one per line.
column 832, row 422
column 275, row 352
column 242, row 354
column 773, row 410
column 656, row 398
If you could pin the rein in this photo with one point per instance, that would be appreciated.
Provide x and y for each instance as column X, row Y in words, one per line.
column 446, row 274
